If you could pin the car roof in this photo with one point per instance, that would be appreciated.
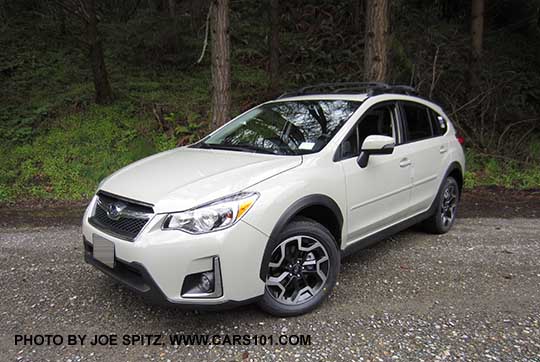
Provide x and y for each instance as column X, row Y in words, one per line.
column 322, row 96
column 361, row 97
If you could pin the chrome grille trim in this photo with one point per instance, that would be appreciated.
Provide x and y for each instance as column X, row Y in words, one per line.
column 126, row 212
column 120, row 217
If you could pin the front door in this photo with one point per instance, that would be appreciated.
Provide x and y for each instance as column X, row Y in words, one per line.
column 379, row 194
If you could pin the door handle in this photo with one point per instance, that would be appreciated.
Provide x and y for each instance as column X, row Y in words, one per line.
column 405, row 162
column 443, row 149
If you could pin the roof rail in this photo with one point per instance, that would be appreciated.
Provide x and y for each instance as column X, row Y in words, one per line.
column 370, row 88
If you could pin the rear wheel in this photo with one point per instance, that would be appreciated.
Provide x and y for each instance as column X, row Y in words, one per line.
column 302, row 269
column 445, row 213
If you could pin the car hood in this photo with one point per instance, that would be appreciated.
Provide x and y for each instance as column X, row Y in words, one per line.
column 182, row 178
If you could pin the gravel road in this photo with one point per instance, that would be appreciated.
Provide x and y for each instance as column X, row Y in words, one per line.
column 473, row 294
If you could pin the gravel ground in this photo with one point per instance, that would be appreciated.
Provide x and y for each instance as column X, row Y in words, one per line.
column 473, row 294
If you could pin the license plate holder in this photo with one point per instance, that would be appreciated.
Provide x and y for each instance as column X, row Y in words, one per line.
column 103, row 250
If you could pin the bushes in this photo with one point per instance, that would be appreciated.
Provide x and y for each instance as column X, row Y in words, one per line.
column 485, row 170
column 67, row 162
column 56, row 146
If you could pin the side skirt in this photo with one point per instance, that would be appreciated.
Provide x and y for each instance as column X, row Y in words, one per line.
column 383, row 234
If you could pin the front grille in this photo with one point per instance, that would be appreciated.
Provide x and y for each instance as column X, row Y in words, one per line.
column 127, row 223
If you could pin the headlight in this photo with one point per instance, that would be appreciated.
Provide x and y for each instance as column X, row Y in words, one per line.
column 214, row 216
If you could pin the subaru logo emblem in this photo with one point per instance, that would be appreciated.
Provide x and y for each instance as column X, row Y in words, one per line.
column 114, row 210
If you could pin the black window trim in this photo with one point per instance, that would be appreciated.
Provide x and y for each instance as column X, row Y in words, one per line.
column 435, row 122
column 405, row 125
column 398, row 127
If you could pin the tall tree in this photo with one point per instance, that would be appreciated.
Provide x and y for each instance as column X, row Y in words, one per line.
column 172, row 8
column 97, row 59
column 85, row 11
column 376, row 40
column 477, row 27
column 221, row 63
column 274, row 44
column 358, row 9
column 477, row 38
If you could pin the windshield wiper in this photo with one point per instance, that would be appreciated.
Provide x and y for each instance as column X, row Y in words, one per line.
column 239, row 147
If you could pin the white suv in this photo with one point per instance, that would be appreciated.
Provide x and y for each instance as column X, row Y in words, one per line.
column 264, row 208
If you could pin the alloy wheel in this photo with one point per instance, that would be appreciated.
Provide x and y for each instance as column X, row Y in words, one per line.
column 298, row 270
column 449, row 205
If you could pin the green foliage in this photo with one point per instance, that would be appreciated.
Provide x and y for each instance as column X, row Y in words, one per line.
column 67, row 162
column 164, row 142
column 58, row 145
column 179, row 132
column 483, row 170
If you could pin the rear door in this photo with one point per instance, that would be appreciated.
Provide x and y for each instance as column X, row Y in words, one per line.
column 426, row 149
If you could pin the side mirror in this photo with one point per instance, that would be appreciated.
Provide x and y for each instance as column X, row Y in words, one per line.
column 375, row 145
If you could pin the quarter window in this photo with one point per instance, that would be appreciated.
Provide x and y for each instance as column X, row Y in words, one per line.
column 418, row 122
column 439, row 123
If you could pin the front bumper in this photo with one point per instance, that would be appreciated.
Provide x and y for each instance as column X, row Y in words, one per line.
column 133, row 275
column 156, row 263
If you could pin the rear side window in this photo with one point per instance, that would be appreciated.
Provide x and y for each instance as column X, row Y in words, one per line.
column 418, row 122
column 439, row 123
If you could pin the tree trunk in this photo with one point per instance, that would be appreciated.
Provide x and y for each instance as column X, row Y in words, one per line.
column 477, row 38
column 221, row 66
column 477, row 27
column 357, row 15
column 62, row 19
column 97, row 61
column 274, row 44
column 172, row 8
column 376, row 48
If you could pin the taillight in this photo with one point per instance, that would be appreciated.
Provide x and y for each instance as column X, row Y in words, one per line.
column 460, row 139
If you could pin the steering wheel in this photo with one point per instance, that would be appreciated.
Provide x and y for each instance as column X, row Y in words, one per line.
column 280, row 144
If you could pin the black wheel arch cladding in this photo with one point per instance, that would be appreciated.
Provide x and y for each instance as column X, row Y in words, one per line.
column 293, row 211
column 454, row 170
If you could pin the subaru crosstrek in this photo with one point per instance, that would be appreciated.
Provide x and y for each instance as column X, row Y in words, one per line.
column 264, row 208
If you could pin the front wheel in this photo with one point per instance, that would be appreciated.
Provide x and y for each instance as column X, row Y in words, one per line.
column 302, row 270
column 446, row 206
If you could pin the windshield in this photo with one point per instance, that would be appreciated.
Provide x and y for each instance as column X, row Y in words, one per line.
column 284, row 128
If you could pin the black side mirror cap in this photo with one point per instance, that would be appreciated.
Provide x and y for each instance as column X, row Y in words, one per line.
column 363, row 157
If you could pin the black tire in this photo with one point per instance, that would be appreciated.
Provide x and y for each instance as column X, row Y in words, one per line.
column 310, row 232
column 441, row 222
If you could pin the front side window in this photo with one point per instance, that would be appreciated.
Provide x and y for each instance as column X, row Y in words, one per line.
column 418, row 122
column 376, row 121
column 284, row 128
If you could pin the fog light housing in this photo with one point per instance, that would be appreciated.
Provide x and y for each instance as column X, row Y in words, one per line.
column 206, row 284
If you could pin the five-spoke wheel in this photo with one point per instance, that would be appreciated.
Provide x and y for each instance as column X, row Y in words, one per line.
column 298, row 269
column 302, row 269
column 449, row 204
column 445, row 214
